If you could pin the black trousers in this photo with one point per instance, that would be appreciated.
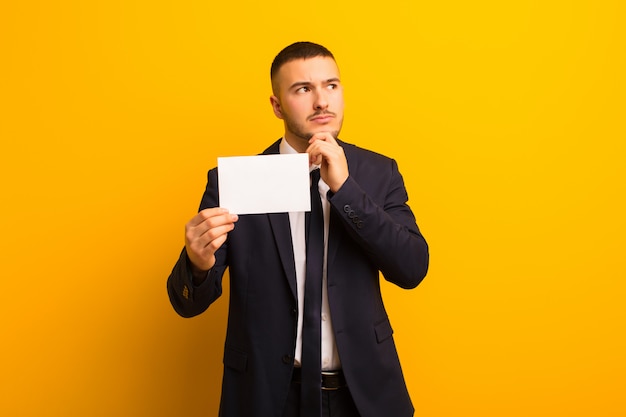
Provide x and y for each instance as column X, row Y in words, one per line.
column 336, row 403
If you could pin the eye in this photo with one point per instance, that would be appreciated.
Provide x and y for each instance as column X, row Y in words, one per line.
column 303, row 89
column 333, row 86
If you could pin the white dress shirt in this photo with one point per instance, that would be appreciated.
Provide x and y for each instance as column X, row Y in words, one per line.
column 330, row 356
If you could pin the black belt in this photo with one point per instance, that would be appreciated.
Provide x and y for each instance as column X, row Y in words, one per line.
column 331, row 380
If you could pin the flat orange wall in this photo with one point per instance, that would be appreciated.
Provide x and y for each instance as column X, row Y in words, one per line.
column 507, row 120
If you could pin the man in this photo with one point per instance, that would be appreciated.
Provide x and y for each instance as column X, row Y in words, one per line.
column 367, row 227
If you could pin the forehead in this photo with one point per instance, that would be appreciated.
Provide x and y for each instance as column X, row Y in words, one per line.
column 312, row 70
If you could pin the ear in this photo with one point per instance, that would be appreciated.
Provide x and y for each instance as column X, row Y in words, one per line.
column 276, row 107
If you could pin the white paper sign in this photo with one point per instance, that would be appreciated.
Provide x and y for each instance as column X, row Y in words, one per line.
column 264, row 183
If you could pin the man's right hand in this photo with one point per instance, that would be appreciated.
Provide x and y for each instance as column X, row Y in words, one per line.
column 204, row 234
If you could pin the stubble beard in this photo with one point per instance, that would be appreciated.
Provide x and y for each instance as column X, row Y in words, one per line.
column 296, row 130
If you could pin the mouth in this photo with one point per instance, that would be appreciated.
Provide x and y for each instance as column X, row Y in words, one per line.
column 322, row 118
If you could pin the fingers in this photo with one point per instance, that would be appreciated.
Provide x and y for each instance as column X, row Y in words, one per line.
column 205, row 233
column 324, row 136
column 211, row 214
column 315, row 146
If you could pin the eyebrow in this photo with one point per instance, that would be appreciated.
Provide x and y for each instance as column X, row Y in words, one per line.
column 307, row 83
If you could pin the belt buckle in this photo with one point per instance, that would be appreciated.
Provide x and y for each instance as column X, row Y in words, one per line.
column 335, row 374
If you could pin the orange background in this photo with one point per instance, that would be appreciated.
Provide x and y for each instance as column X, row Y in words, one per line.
column 506, row 118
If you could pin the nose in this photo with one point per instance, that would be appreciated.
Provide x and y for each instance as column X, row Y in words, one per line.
column 321, row 100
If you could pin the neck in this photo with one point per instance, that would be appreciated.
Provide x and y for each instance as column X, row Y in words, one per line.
column 296, row 142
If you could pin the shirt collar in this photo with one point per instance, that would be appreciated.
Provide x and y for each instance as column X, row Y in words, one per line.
column 286, row 149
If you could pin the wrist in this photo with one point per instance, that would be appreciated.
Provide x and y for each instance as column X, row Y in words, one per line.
column 198, row 275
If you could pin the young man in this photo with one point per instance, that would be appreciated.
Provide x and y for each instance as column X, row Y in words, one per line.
column 294, row 348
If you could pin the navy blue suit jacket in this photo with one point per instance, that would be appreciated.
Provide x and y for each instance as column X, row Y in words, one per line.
column 372, row 229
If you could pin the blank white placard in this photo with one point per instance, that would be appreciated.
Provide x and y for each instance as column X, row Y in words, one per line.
column 264, row 183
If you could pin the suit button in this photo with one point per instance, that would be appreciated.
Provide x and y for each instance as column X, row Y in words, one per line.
column 352, row 214
column 288, row 359
column 294, row 312
column 347, row 208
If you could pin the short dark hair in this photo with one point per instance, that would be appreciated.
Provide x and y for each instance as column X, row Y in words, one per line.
column 298, row 50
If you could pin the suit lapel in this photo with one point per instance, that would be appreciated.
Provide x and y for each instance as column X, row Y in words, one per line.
column 336, row 232
column 282, row 235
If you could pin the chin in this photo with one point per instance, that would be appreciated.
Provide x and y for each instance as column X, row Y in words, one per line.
column 333, row 131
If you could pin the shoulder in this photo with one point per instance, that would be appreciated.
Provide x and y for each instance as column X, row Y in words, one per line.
column 273, row 148
column 358, row 152
column 362, row 158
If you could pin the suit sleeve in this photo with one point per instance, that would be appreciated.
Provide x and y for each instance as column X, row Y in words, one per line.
column 187, row 299
column 372, row 206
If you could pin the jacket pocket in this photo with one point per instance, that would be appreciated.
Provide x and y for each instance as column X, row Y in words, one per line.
column 235, row 359
column 383, row 331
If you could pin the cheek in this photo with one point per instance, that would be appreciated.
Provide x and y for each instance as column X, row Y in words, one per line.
column 338, row 104
column 295, row 108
